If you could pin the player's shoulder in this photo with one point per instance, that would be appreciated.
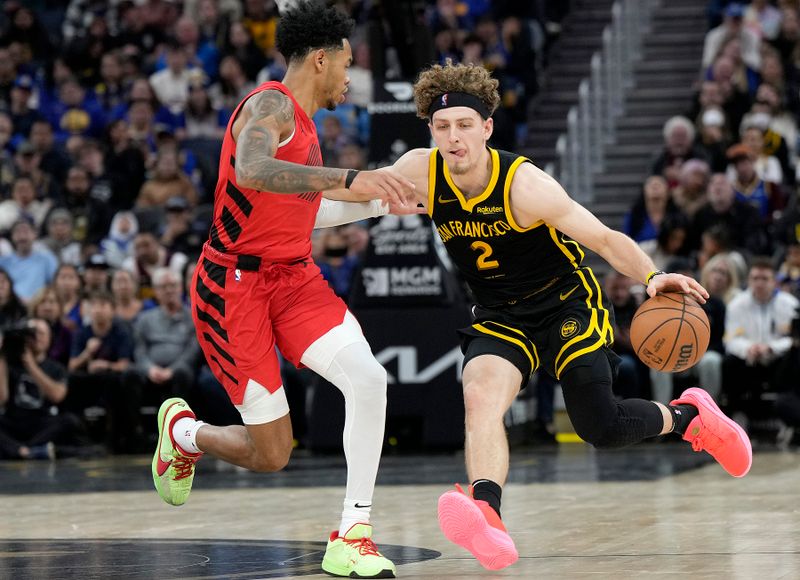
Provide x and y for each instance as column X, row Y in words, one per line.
column 270, row 102
column 414, row 160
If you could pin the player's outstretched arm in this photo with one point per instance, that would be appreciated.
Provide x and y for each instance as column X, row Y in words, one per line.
column 535, row 196
column 268, row 115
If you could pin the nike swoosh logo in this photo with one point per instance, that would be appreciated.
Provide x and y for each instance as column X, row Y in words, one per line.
column 162, row 466
column 358, row 505
column 565, row 295
column 446, row 200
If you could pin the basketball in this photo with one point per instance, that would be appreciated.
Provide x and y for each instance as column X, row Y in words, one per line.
column 670, row 332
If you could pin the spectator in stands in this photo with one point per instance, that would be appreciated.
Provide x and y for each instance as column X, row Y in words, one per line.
column 767, row 166
column 201, row 120
column 331, row 139
column 149, row 256
column 261, row 21
column 338, row 265
column 118, row 245
column 213, row 18
column 691, row 193
column 232, row 86
column 240, row 45
column 679, row 134
column 21, row 113
column 359, row 91
column 168, row 180
column 59, row 239
column 789, row 269
column 11, row 307
column 126, row 164
column 165, row 345
column 7, row 170
column 171, row 85
column 732, row 26
column 735, row 101
column 743, row 76
column 784, row 79
column 671, row 240
column 716, row 240
column 203, row 55
column 101, row 353
column 644, row 219
column 30, row 269
column 84, row 54
column 69, row 288
column 31, row 387
column 74, row 113
column 92, row 157
column 352, row 156
column 47, row 306
column 720, row 276
column 178, row 234
column 27, row 161
column 757, row 335
column 27, row 31
column 91, row 216
column 109, row 91
column 740, row 219
column 23, row 205
column 764, row 196
column 8, row 74
column 763, row 19
column 713, row 137
column 632, row 376
column 707, row 373
column 124, row 288
column 53, row 161
column 780, row 130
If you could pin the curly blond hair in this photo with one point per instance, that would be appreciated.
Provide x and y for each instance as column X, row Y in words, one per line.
column 455, row 78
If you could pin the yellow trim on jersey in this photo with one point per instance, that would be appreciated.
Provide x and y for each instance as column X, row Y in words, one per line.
column 507, row 194
column 561, row 245
column 432, row 179
column 594, row 325
column 511, row 339
column 522, row 334
column 470, row 204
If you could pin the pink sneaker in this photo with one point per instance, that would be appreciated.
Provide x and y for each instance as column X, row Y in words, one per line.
column 474, row 525
column 714, row 432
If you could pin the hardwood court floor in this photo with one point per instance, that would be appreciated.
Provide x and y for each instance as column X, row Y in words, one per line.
column 655, row 510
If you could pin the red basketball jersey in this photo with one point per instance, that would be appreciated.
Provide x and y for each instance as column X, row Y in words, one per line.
column 275, row 227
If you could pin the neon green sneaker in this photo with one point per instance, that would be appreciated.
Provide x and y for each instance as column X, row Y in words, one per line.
column 356, row 555
column 173, row 468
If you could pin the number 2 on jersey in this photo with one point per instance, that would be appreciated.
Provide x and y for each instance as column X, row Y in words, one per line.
column 483, row 262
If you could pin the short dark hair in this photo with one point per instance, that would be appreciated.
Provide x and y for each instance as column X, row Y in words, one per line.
column 311, row 26
column 762, row 263
column 102, row 296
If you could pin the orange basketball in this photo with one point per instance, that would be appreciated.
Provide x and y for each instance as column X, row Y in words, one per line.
column 670, row 332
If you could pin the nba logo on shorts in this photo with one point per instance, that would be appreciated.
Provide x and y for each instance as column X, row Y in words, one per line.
column 237, row 275
column 444, row 100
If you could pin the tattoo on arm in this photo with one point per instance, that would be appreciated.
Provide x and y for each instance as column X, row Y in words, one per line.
column 256, row 145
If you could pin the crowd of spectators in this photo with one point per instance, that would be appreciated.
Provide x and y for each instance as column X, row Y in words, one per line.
column 721, row 203
column 111, row 119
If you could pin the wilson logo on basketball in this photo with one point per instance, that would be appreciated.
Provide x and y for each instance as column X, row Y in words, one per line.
column 685, row 355
column 569, row 328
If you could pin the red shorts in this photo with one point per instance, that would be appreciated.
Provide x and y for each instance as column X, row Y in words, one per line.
column 240, row 316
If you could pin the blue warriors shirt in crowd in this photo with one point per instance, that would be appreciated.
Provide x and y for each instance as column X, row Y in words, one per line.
column 500, row 261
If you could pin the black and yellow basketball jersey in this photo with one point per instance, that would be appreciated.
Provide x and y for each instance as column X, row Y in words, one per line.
column 500, row 261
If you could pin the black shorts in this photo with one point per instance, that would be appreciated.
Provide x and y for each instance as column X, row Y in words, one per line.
column 553, row 330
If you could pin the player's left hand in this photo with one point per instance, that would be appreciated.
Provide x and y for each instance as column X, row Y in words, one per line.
column 677, row 283
column 405, row 207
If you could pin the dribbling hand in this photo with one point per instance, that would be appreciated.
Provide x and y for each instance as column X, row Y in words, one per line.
column 677, row 283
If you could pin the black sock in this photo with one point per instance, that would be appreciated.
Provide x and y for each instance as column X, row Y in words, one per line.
column 488, row 491
column 682, row 415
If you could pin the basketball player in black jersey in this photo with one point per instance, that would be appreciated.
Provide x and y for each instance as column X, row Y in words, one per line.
column 516, row 236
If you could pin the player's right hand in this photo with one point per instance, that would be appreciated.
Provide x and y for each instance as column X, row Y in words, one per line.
column 385, row 184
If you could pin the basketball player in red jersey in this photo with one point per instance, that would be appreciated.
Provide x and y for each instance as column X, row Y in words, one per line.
column 515, row 236
column 256, row 287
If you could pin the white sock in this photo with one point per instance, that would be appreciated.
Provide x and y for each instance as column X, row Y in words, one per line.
column 184, row 432
column 354, row 512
